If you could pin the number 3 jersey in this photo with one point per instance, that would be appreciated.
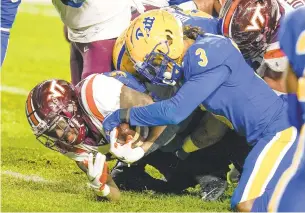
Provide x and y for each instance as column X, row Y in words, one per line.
column 217, row 76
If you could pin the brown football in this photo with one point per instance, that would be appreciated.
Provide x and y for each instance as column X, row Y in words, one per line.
column 126, row 134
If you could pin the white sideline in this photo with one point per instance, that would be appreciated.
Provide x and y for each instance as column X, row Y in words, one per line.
column 47, row 2
column 14, row 90
column 33, row 178
column 33, row 7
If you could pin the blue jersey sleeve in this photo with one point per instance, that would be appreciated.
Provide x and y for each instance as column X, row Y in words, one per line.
column 176, row 109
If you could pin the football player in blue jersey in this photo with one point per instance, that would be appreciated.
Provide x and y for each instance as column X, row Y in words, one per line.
column 289, row 195
column 8, row 13
column 212, row 72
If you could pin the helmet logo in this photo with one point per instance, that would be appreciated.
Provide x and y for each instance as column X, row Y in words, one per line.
column 118, row 74
column 139, row 33
column 257, row 19
column 56, row 90
column 148, row 24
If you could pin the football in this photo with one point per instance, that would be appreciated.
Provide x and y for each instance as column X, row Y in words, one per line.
column 127, row 134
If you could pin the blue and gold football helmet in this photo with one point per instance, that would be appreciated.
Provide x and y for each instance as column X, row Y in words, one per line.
column 120, row 58
column 154, row 43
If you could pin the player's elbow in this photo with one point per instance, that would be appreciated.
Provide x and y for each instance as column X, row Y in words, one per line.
column 175, row 114
column 174, row 118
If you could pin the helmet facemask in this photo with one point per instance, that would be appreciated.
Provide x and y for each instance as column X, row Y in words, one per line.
column 154, row 43
column 56, row 120
column 158, row 67
column 54, row 132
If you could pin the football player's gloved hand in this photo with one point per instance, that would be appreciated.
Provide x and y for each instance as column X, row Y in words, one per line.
column 125, row 152
column 97, row 174
column 114, row 119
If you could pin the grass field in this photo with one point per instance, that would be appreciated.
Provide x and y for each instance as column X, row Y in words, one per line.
column 33, row 177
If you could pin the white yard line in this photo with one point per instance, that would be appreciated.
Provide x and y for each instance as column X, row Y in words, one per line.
column 33, row 178
column 14, row 90
column 47, row 2
column 38, row 7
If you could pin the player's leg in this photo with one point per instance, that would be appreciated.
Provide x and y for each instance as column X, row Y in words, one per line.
column 4, row 43
column 291, row 184
column 231, row 148
column 97, row 56
column 265, row 163
column 210, row 176
column 76, row 64
column 208, row 132
column 8, row 13
column 238, row 149
column 76, row 60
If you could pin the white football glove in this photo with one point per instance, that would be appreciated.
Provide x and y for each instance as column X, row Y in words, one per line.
column 124, row 152
column 97, row 174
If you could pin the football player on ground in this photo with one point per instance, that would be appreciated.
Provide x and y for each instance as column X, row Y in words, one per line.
column 53, row 112
column 212, row 72
column 244, row 21
column 69, row 121
column 289, row 194
column 8, row 13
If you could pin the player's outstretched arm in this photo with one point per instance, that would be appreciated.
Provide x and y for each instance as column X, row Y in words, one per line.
column 176, row 109
column 99, row 177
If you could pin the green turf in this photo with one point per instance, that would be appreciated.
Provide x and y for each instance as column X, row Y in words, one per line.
column 38, row 51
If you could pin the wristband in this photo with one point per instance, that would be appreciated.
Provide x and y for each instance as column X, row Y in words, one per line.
column 124, row 115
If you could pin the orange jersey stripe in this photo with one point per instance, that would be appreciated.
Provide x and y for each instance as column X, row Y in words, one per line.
column 30, row 110
column 227, row 20
column 90, row 100
column 272, row 54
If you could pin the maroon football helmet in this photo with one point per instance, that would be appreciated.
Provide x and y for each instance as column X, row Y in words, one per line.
column 251, row 24
column 54, row 114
